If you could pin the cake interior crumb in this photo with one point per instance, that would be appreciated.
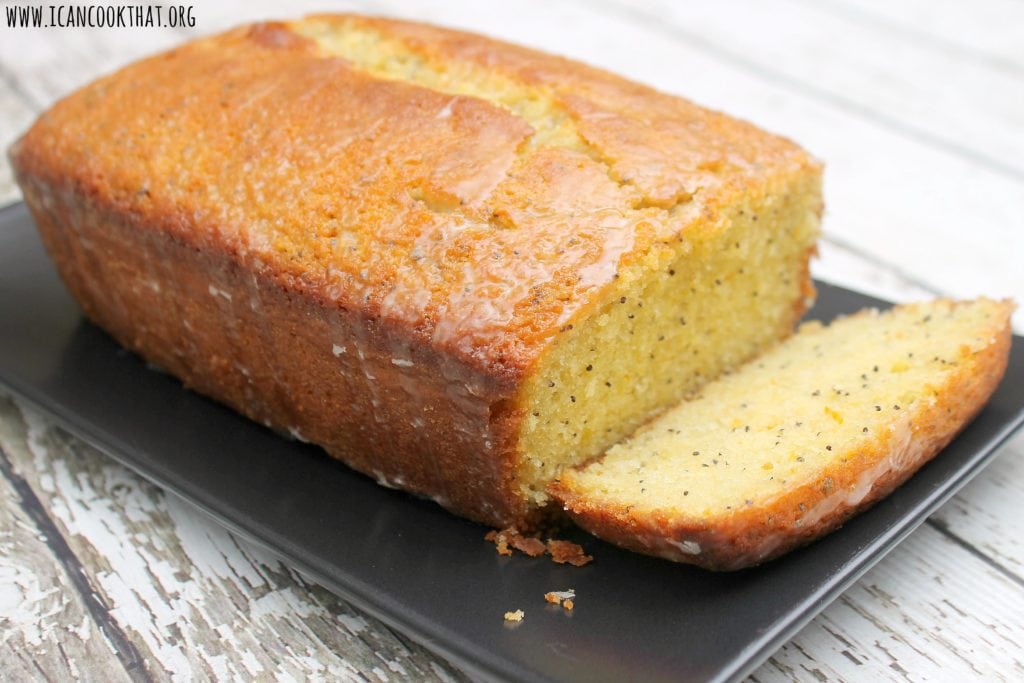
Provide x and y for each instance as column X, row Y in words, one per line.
column 820, row 400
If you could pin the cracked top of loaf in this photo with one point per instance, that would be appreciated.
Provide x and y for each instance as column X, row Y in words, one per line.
column 477, row 194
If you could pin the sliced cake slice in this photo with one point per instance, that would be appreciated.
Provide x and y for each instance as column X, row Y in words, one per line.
column 794, row 443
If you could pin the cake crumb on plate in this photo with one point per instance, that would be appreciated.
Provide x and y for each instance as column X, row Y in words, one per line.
column 563, row 598
column 562, row 552
column 567, row 552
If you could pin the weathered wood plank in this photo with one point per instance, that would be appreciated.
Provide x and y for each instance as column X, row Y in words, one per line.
column 47, row 63
column 45, row 627
column 915, row 88
column 15, row 117
column 929, row 611
column 222, row 15
column 990, row 31
column 191, row 598
column 848, row 266
column 987, row 515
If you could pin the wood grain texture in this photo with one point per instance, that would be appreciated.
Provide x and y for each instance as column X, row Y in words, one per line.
column 986, row 517
column 906, row 103
column 987, row 31
column 45, row 628
column 185, row 594
column 15, row 116
column 925, row 613
column 971, row 110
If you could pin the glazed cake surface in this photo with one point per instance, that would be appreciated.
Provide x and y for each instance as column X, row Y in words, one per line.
column 456, row 264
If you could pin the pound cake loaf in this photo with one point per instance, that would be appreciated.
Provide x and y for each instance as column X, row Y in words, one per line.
column 796, row 442
column 456, row 264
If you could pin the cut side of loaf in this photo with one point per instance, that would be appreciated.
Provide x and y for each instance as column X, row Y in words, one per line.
column 457, row 265
column 797, row 441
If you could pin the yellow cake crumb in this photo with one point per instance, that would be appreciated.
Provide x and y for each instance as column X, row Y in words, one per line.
column 563, row 598
column 856, row 416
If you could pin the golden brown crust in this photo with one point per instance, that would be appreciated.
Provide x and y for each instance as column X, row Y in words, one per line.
column 751, row 536
column 416, row 227
column 293, row 365
column 282, row 155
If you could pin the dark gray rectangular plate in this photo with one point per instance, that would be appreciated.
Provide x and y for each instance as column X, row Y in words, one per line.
column 420, row 569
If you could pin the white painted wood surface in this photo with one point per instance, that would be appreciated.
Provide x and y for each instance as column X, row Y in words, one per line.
column 917, row 109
